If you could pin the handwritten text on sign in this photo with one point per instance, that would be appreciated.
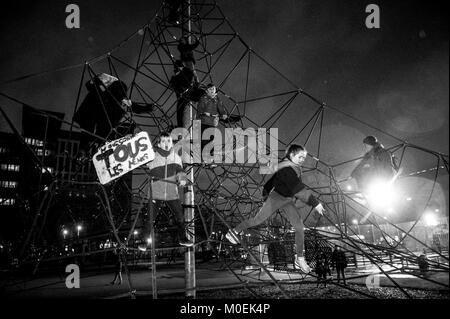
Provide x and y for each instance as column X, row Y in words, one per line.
column 121, row 156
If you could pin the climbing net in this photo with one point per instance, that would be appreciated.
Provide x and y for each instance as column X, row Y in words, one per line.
column 259, row 96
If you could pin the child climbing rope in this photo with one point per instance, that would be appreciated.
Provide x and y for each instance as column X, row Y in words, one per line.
column 281, row 192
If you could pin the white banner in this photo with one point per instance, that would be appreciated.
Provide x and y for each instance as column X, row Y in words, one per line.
column 121, row 156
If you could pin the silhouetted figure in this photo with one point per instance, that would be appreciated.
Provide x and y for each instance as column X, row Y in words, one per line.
column 187, row 50
column 423, row 264
column 322, row 270
column 103, row 108
column 339, row 261
column 377, row 164
column 185, row 84
column 118, row 267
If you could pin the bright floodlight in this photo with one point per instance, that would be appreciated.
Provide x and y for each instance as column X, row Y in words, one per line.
column 355, row 221
column 430, row 219
column 349, row 187
column 381, row 194
column 409, row 199
column 79, row 227
column 65, row 231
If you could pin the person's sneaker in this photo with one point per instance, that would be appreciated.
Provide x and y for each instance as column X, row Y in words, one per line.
column 186, row 242
column 233, row 237
column 301, row 264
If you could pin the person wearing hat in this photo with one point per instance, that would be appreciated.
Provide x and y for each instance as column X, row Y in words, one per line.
column 377, row 163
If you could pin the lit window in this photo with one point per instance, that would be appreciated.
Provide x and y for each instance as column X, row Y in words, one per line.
column 9, row 167
column 7, row 201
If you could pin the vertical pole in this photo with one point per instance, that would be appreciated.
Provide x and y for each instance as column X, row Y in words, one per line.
column 189, row 256
column 152, row 239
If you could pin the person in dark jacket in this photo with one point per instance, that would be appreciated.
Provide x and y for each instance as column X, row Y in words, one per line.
column 377, row 164
column 281, row 192
column 322, row 269
column 184, row 83
column 186, row 50
column 118, row 266
column 167, row 169
column 210, row 110
column 103, row 108
column 339, row 261
column 423, row 263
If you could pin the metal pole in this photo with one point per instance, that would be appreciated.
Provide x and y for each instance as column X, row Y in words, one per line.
column 189, row 256
column 152, row 239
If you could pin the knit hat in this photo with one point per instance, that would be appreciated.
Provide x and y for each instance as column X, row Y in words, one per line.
column 370, row 140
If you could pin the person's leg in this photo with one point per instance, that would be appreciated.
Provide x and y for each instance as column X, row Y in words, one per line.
column 177, row 210
column 338, row 271
column 294, row 216
column 343, row 275
column 120, row 276
column 274, row 202
column 115, row 277
column 180, row 111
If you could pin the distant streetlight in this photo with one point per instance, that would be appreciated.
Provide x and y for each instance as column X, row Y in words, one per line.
column 135, row 232
column 65, row 232
column 430, row 219
column 79, row 228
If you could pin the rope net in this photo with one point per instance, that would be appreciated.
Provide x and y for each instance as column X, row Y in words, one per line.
column 255, row 95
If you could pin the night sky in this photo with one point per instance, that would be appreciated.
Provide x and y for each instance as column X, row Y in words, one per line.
column 395, row 77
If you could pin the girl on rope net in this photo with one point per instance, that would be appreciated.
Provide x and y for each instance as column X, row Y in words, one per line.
column 281, row 192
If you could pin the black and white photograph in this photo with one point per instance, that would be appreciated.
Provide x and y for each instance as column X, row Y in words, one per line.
column 219, row 157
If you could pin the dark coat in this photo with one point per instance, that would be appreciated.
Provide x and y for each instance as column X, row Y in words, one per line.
column 91, row 114
column 186, row 51
column 322, row 267
column 287, row 181
column 182, row 81
column 377, row 163
column 210, row 105
column 339, row 259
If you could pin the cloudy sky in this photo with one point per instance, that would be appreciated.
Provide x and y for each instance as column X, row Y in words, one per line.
column 395, row 77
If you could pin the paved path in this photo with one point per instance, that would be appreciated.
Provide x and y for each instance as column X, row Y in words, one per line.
column 171, row 279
